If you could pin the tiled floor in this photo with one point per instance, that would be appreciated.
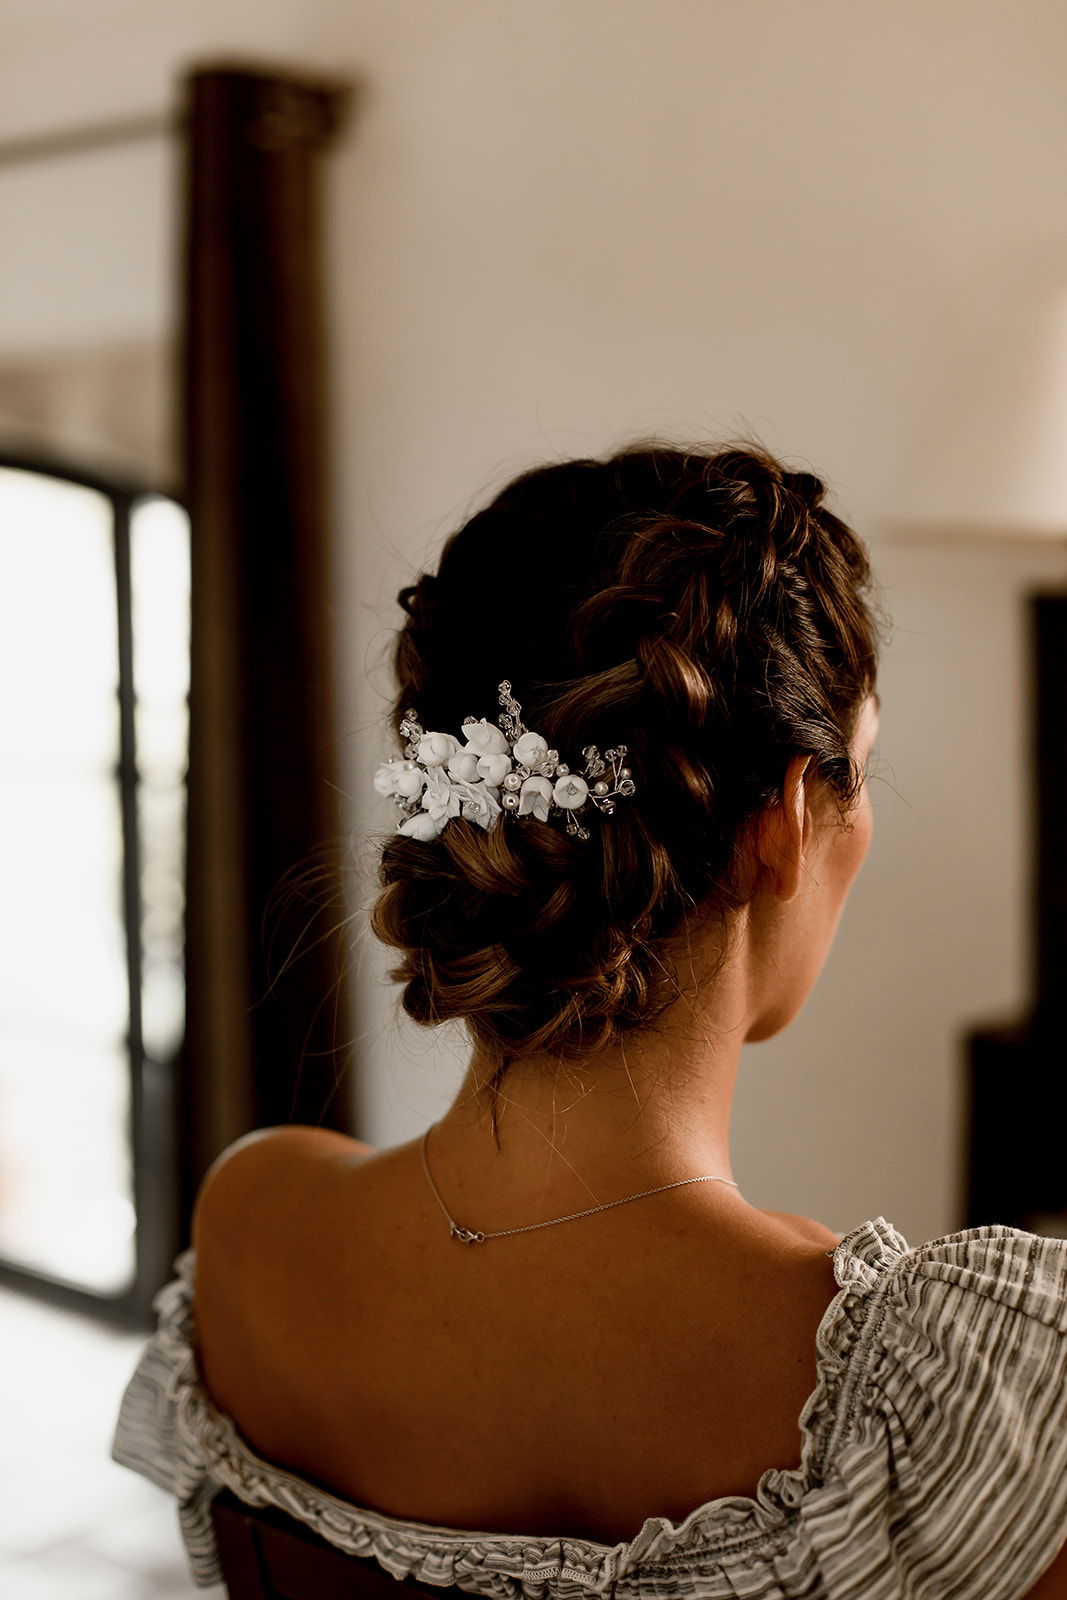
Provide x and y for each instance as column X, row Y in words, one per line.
column 73, row 1525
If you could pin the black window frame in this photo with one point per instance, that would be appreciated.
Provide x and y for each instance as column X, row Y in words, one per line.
column 153, row 1084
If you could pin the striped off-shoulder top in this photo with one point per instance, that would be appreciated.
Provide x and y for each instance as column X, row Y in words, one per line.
column 934, row 1457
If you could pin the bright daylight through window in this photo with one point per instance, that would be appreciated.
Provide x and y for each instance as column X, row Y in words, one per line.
column 91, row 858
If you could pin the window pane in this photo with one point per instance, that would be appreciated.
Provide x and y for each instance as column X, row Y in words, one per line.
column 66, row 1197
column 159, row 567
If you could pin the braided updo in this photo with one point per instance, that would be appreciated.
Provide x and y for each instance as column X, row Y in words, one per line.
column 704, row 609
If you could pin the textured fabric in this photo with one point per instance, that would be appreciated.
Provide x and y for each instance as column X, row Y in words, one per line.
column 934, row 1455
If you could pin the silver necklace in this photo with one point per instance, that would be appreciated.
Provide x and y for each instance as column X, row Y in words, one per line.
column 470, row 1236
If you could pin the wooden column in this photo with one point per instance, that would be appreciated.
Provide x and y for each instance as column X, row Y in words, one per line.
column 260, row 1048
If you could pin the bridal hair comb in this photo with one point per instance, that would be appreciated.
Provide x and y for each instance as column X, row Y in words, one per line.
column 497, row 768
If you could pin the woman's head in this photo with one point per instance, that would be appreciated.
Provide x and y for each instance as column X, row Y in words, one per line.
column 704, row 609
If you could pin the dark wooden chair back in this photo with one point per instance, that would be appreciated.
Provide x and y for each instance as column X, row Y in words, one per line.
column 266, row 1555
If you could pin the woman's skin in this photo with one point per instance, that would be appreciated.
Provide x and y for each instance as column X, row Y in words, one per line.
column 575, row 1379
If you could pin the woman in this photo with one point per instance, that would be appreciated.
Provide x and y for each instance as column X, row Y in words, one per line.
column 551, row 1348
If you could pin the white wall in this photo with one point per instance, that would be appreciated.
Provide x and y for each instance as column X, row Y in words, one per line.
column 558, row 225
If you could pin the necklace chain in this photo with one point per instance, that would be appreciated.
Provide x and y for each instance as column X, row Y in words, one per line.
column 469, row 1236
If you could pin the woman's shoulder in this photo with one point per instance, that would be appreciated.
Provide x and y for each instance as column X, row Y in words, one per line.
column 259, row 1244
column 261, row 1183
column 805, row 1230
column 260, row 1159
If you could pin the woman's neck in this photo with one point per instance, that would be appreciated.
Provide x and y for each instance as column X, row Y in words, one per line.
column 651, row 1109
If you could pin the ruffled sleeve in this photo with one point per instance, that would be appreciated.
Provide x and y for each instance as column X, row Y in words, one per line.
column 153, row 1434
column 947, row 1473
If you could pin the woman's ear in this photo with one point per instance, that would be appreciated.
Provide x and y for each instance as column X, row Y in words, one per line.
column 782, row 831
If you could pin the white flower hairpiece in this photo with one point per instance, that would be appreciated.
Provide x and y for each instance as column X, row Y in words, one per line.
column 501, row 767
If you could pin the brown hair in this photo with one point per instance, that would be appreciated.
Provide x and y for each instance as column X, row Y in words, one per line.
column 706, row 610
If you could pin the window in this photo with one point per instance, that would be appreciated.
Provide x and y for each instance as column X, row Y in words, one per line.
column 94, row 672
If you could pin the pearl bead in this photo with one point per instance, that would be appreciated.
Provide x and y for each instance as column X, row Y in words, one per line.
column 562, row 770
column 510, row 800
column 624, row 772
column 600, row 788
column 512, row 781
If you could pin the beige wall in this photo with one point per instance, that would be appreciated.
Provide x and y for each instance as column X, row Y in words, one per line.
column 562, row 223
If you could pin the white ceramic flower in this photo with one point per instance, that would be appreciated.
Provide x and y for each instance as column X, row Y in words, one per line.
column 439, row 797
column 485, row 738
column 570, row 792
column 479, row 804
column 385, row 778
column 494, row 769
column 409, row 780
column 422, row 826
column 530, row 750
column 435, row 749
column 535, row 797
column 464, row 765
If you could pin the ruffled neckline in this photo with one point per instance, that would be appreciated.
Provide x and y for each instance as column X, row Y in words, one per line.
column 861, row 1262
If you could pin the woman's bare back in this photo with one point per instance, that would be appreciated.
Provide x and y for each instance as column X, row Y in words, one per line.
column 574, row 1380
